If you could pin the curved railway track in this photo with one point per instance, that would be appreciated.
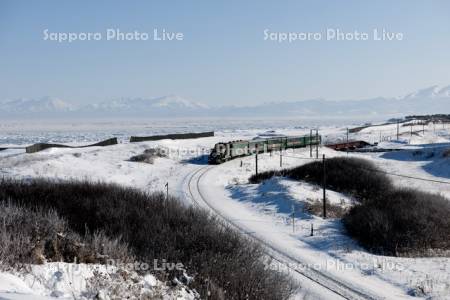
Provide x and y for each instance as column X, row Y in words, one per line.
column 326, row 281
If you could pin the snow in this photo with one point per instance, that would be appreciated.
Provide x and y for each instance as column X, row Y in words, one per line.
column 12, row 284
column 445, row 91
column 263, row 209
column 177, row 101
column 430, row 92
column 46, row 104
column 81, row 281
column 322, row 250
column 23, row 133
column 428, row 100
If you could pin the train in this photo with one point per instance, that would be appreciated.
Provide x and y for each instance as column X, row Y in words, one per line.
column 223, row 152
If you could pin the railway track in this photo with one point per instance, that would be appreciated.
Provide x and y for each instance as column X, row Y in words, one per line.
column 322, row 279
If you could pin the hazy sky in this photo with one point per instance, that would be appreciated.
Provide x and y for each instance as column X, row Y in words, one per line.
column 223, row 57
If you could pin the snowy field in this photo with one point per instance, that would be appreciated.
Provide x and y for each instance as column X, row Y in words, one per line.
column 264, row 209
column 81, row 281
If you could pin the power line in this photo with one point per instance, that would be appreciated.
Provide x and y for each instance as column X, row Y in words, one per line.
column 305, row 158
column 383, row 172
column 405, row 176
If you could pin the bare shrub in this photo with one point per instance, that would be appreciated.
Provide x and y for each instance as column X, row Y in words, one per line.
column 386, row 220
column 122, row 284
column 354, row 176
column 24, row 233
column 156, row 228
column 417, row 153
column 38, row 235
column 402, row 222
column 145, row 158
column 446, row 153
column 149, row 155
column 333, row 210
column 262, row 176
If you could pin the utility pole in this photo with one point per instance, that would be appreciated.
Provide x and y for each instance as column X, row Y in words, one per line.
column 317, row 143
column 167, row 199
column 398, row 130
column 347, row 140
column 324, row 188
column 167, row 192
column 293, row 218
column 310, row 143
column 256, row 159
column 281, row 159
column 423, row 129
column 411, row 129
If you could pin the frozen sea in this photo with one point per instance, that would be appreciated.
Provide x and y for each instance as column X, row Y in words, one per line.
column 21, row 133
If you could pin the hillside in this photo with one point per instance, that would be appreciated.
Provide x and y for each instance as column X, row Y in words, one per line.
column 424, row 101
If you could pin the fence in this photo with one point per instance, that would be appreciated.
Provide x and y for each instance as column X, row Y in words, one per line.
column 176, row 136
column 42, row 146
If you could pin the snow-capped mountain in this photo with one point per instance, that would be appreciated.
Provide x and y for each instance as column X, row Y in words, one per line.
column 31, row 106
column 424, row 101
column 431, row 92
column 161, row 106
column 429, row 100
column 174, row 101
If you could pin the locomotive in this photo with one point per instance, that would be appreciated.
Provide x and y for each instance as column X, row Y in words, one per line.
column 223, row 152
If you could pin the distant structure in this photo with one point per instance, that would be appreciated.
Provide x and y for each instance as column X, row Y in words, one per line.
column 349, row 146
column 42, row 146
column 444, row 118
column 176, row 136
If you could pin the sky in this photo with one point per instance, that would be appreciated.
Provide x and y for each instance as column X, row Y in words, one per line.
column 223, row 57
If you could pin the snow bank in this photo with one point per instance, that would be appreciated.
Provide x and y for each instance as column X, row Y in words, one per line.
column 82, row 281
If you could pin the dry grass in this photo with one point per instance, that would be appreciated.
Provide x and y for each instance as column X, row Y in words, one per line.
column 39, row 235
column 334, row 211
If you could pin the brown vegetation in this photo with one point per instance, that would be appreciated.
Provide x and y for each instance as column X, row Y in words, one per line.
column 220, row 259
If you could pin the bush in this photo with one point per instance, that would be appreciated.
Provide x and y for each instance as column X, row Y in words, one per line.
column 37, row 235
column 221, row 260
column 402, row 222
column 149, row 155
column 446, row 153
column 354, row 176
column 333, row 210
column 387, row 220
column 266, row 175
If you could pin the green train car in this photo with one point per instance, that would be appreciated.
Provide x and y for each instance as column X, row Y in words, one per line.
column 223, row 152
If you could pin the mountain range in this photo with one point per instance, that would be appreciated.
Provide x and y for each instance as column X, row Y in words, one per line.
column 425, row 101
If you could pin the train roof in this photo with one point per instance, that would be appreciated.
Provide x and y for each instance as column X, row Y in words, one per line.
column 258, row 139
column 277, row 137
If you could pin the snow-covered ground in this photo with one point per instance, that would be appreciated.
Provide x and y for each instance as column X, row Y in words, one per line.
column 265, row 209
column 81, row 281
